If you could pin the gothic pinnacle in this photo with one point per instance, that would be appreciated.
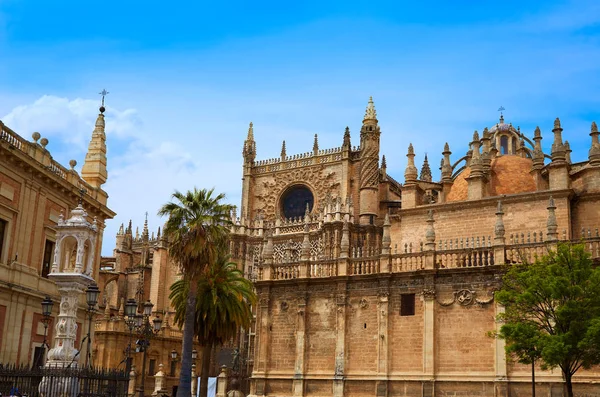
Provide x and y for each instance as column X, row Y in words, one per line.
column 383, row 162
column 94, row 166
column 316, row 145
column 283, row 151
column 370, row 113
column 250, row 132
column 425, row 171
column 346, row 142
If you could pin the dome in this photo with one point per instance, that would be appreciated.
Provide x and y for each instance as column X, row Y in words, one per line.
column 501, row 126
column 509, row 175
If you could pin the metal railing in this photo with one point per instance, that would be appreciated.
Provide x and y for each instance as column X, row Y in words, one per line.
column 51, row 382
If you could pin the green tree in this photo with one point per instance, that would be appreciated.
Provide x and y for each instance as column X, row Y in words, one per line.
column 223, row 307
column 552, row 308
column 197, row 227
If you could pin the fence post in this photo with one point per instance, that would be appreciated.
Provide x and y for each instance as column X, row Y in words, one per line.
column 222, row 383
column 131, row 386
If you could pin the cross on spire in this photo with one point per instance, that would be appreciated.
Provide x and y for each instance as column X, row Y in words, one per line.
column 103, row 93
column 501, row 109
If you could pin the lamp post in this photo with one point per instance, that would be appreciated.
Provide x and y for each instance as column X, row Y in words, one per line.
column 92, row 294
column 47, row 304
column 146, row 332
column 130, row 309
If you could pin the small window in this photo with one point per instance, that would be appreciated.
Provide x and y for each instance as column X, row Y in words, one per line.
column 407, row 304
column 173, row 367
column 3, row 225
column 152, row 367
column 48, row 253
column 503, row 144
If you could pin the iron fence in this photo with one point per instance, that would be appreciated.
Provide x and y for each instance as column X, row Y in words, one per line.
column 62, row 382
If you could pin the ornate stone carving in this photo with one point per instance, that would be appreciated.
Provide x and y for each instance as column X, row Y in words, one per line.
column 464, row 297
column 320, row 181
column 363, row 303
column 428, row 293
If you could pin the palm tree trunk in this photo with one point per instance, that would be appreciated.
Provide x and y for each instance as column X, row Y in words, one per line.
column 206, row 353
column 185, row 376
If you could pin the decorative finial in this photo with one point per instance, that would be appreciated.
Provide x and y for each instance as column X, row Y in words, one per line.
column 383, row 162
column 557, row 124
column 446, row 147
column 316, row 145
column 475, row 136
column 370, row 113
column 72, row 163
column 411, row 149
column 537, row 133
column 501, row 109
column 104, row 93
column 283, row 151
column 594, row 127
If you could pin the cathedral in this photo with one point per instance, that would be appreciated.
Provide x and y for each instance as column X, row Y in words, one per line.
column 372, row 287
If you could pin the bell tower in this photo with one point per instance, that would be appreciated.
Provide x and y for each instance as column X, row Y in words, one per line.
column 369, row 166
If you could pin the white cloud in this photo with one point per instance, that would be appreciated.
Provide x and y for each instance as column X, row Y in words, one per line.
column 70, row 121
column 145, row 164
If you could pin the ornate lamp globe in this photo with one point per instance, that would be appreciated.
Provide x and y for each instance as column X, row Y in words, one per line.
column 130, row 307
column 47, row 304
column 173, row 354
column 139, row 320
column 148, row 308
column 157, row 322
column 92, row 294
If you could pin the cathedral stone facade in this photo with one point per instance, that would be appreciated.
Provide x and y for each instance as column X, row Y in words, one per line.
column 372, row 287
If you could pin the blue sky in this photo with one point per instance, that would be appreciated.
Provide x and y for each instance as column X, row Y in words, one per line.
column 186, row 78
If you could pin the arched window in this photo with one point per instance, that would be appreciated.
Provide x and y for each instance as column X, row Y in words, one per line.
column 503, row 144
column 295, row 200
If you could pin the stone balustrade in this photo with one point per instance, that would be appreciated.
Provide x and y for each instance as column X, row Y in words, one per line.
column 459, row 253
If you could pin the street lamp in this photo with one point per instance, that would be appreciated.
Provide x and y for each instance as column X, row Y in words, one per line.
column 92, row 294
column 173, row 355
column 130, row 309
column 146, row 332
column 47, row 304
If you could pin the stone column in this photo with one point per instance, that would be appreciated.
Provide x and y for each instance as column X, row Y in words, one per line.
column 501, row 383
column 499, row 239
column 261, row 364
column 340, row 341
column 430, row 242
column 383, row 340
column 298, row 383
column 428, row 338
column 64, row 352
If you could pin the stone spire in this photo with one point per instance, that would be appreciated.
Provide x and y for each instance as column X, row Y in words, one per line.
column 370, row 113
column 94, row 167
column 384, row 167
column 145, row 230
column 476, row 164
column 410, row 174
column 249, row 151
column 446, row 165
column 538, row 154
column 425, row 171
column 316, row 145
column 567, row 152
column 346, row 143
column 558, row 148
column 594, row 153
column 283, row 151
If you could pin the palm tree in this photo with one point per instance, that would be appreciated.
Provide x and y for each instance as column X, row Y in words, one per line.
column 223, row 307
column 197, row 226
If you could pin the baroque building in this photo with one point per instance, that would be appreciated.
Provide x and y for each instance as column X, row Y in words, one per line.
column 51, row 221
column 372, row 287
